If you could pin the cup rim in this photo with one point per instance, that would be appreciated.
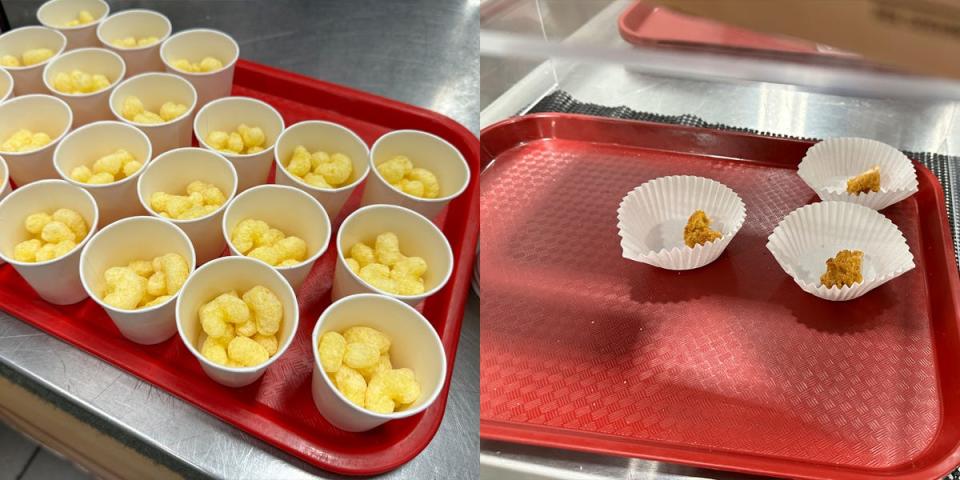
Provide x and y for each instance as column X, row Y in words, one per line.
column 9, row 93
column 178, row 78
column 187, row 221
column 83, row 258
column 466, row 166
column 272, row 186
column 53, row 141
column 307, row 186
column 95, row 22
column 446, row 279
column 111, row 46
column 364, row 297
column 95, row 186
column 43, row 64
column 98, row 50
column 226, row 66
column 203, row 142
column 91, row 228
column 281, row 349
column 5, row 179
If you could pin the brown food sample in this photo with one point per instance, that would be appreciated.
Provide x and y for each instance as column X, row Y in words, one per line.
column 698, row 231
column 844, row 269
column 868, row 181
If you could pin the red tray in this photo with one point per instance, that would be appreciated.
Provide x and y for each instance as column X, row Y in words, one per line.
column 643, row 24
column 279, row 408
column 730, row 366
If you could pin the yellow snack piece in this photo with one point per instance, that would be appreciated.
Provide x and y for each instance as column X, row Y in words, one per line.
column 332, row 346
column 35, row 222
column 401, row 174
column 234, row 309
column 256, row 239
column 35, row 56
column 144, row 268
column 148, row 118
column 83, row 18
column 246, row 352
column 134, row 110
column 157, row 301
column 56, row 232
column 9, row 61
column 382, row 365
column 133, row 42
column 205, row 65
column 213, row 319
column 351, row 384
column 268, row 342
column 214, row 350
column 26, row 251
column 363, row 254
column 143, row 283
column 24, row 140
column 267, row 309
column 368, row 336
column 171, row 110
column 388, row 249
column 243, row 141
column 73, row 220
column 353, row 265
column 132, row 106
column 202, row 199
column 107, row 169
column 210, row 64
column 79, row 82
column 360, row 355
column 124, row 288
column 248, row 329
column 385, row 267
column 319, row 168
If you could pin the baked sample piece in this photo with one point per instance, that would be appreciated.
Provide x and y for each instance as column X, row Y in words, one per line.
column 868, row 181
column 698, row 231
column 843, row 269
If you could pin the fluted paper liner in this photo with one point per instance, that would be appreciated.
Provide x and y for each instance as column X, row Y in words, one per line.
column 652, row 218
column 808, row 236
column 829, row 164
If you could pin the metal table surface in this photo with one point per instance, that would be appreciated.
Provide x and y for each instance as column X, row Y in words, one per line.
column 417, row 51
column 915, row 123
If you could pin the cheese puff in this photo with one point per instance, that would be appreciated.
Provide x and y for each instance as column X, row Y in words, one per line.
column 100, row 82
column 175, row 270
column 337, row 171
column 108, row 164
column 214, row 351
column 353, row 265
column 388, row 249
column 196, row 186
column 143, row 42
column 101, row 179
column 401, row 384
column 266, row 308
column 235, row 310
column 63, row 247
column 317, row 158
column 18, row 141
column 73, row 220
column 132, row 106
column 248, row 329
column 213, row 196
column 36, row 55
column 127, row 42
column 81, row 174
column 158, row 201
column 158, row 300
column 171, row 110
column 299, row 163
column 144, row 268
column 269, row 255
column 217, row 139
column 246, row 352
column 360, row 355
column 254, row 150
column 47, row 252
column 376, row 398
column 378, row 276
column 125, row 289
column 195, row 198
column 368, row 336
column 210, row 64
column 177, row 204
column 9, row 61
column 332, row 346
column 316, row 180
column 292, row 248
column 235, row 143
column 270, row 237
column 363, row 254
column 253, row 136
column 213, row 319
column 63, row 83
column 409, row 286
column 408, row 267
column 55, row 232
column 131, row 168
column 26, row 251
column 382, row 365
column 351, row 384
column 246, row 232
column 148, row 118
column 39, row 139
column 34, row 223
column 268, row 342
column 395, row 169
column 84, row 17
column 411, row 187
column 183, row 65
column 195, row 211
column 157, row 284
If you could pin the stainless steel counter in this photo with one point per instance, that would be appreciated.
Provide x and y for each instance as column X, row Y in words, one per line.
column 910, row 119
column 418, row 51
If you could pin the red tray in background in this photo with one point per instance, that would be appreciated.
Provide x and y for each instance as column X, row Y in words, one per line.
column 642, row 23
column 279, row 408
column 729, row 366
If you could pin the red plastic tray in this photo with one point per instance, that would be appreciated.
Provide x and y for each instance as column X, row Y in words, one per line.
column 730, row 366
column 642, row 24
column 279, row 408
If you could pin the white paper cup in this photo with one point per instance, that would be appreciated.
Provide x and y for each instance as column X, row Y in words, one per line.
column 86, row 107
column 829, row 164
column 6, row 85
column 222, row 275
column 196, row 44
column 56, row 13
column 171, row 173
column 135, row 238
column 652, row 217
column 4, row 185
column 804, row 240
column 37, row 113
column 419, row 237
column 136, row 23
column 424, row 150
column 56, row 281
column 329, row 137
column 414, row 344
column 155, row 89
column 289, row 210
column 85, row 145
column 27, row 80
column 225, row 114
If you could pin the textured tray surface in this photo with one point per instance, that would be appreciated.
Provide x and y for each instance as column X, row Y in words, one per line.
column 279, row 408
column 619, row 356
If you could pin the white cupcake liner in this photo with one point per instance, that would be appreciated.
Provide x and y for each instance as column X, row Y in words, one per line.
column 651, row 219
column 829, row 164
column 808, row 236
